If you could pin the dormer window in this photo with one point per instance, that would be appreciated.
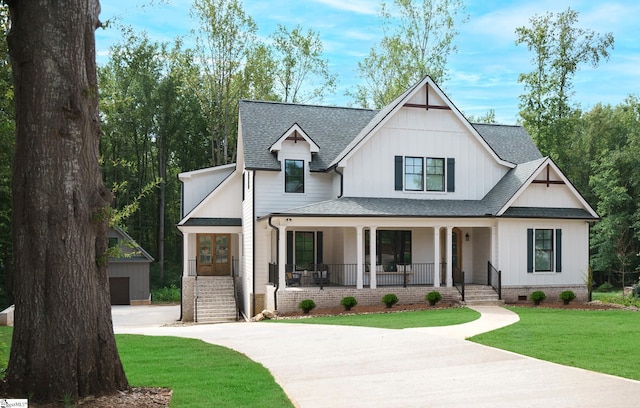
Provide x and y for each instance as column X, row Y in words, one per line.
column 294, row 176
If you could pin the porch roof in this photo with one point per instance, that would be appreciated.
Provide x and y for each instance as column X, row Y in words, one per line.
column 213, row 222
column 391, row 207
column 404, row 207
column 541, row 212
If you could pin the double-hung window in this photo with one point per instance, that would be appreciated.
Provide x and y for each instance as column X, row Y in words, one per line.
column 544, row 250
column 430, row 174
column 294, row 176
column 414, row 173
column 435, row 174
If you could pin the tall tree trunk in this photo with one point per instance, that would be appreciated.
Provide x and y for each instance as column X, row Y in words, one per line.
column 63, row 343
column 162, row 174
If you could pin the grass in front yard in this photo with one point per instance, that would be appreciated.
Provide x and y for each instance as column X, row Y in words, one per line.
column 395, row 320
column 200, row 374
column 600, row 340
column 5, row 347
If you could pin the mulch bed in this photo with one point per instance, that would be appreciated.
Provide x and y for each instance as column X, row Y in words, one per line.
column 339, row 310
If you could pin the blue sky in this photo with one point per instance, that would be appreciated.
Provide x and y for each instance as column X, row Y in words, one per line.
column 483, row 73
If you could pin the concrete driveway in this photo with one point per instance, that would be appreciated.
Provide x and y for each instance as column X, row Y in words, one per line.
column 333, row 366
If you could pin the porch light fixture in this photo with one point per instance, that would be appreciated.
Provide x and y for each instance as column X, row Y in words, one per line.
column 466, row 237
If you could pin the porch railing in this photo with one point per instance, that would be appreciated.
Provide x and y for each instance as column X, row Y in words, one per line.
column 345, row 275
column 494, row 278
column 458, row 280
column 274, row 277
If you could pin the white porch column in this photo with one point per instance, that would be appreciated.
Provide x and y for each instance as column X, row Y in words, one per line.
column 372, row 258
column 494, row 246
column 359, row 256
column 240, row 256
column 436, row 256
column 282, row 255
column 185, row 254
column 449, row 257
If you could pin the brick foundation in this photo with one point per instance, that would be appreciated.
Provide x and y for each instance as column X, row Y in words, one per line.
column 188, row 288
column 515, row 294
column 289, row 298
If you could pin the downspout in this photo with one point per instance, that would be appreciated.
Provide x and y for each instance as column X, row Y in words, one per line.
column 253, row 246
column 183, row 254
column 277, row 284
column 341, row 180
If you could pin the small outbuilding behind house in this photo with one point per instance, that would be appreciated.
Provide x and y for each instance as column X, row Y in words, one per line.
column 129, row 281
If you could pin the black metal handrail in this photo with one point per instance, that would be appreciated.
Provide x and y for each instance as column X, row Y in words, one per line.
column 494, row 278
column 458, row 280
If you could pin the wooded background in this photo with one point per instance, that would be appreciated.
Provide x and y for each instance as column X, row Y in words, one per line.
column 166, row 108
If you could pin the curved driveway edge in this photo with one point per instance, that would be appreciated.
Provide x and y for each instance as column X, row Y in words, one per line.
column 339, row 366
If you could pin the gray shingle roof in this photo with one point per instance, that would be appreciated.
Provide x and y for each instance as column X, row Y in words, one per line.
column 509, row 185
column 511, row 143
column 214, row 222
column 391, row 207
column 332, row 128
column 541, row 212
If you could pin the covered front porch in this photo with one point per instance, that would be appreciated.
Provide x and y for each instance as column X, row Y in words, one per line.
column 371, row 252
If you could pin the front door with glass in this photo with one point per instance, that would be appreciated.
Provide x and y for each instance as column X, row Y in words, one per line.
column 213, row 254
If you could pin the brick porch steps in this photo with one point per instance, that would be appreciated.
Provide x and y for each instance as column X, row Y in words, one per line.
column 215, row 300
column 481, row 295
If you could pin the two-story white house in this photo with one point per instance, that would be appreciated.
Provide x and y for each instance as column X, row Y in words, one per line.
column 325, row 202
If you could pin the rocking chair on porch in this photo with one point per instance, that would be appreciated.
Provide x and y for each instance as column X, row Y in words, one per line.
column 321, row 277
column 293, row 278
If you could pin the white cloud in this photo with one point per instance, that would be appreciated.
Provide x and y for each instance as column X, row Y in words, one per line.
column 356, row 6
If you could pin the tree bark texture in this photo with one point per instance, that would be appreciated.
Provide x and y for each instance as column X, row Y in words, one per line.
column 63, row 343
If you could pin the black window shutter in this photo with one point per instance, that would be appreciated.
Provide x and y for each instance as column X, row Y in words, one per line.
column 530, row 250
column 319, row 247
column 451, row 175
column 558, row 250
column 398, row 168
column 290, row 249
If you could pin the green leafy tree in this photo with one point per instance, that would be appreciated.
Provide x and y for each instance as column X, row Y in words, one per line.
column 153, row 128
column 301, row 74
column 560, row 48
column 615, row 183
column 489, row 117
column 418, row 37
column 226, row 35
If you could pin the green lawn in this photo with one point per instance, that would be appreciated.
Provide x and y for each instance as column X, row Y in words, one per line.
column 200, row 374
column 601, row 340
column 396, row 320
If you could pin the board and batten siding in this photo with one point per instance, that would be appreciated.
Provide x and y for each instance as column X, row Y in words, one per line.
column 415, row 132
column 138, row 274
column 196, row 185
column 270, row 184
column 226, row 201
column 512, row 237
column 553, row 196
